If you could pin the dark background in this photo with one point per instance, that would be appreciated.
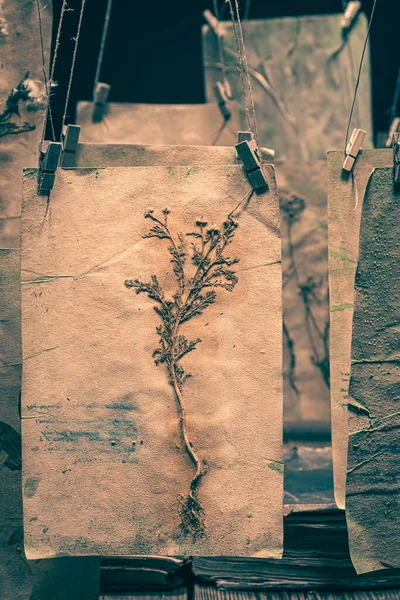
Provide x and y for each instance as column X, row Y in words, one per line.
column 153, row 51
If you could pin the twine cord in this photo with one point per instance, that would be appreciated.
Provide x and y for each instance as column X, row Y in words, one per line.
column 243, row 69
column 221, row 52
column 396, row 96
column 48, row 113
column 102, row 44
column 359, row 75
column 71, row 74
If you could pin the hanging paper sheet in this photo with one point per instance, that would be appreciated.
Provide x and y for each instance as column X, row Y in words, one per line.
column 345, row 200
column 191, row 124
column 302, row 191
column 13, row 574
column 22, row 104
column 373, row 473
column 127, row 471
column 302, row 81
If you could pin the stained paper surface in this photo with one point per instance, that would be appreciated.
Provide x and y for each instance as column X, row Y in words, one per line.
column 302, row 83
column 56, row 579
column 20, row 133
column 302, row 190
column 103, row 444
column 191, row 124
column 372, row 494
column 345, row 200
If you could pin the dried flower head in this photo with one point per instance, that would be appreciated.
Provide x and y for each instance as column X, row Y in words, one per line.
column 201, row 222
column 292, row 206
column 213, row 230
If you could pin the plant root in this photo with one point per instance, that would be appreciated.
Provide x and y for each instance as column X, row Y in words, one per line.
column 191, row 512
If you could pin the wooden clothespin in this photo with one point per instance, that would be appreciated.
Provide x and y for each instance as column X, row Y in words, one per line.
column 223, row 94
column 249, row 154
column 214, row 24
column 353, row 148
column 396, row 157
column 70, row 138
column 350, row 14
column 48, row 163
column 243, row 136
column 101, row 94
column 395, row 126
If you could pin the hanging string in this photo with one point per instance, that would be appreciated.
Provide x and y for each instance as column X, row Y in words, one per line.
column 393, row 109
column 48, row 113
column 220, row 42
column 359, row 75
column 102, row 44
column 246, row 10
column 243, row 69
column 72, row 66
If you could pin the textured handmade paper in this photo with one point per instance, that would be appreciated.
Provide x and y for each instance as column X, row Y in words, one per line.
column 302, row 84
column 345, row 199
column 302, row 190
column 104, row 445
column 372, row 493
column 22, row 103
column 57, row 579
column 191, row 124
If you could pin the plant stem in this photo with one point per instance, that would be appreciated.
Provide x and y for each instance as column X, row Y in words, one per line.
column 182, row 419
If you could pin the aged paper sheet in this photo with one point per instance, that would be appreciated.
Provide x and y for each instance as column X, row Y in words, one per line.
column 49, row 577
column 372, row 493
column 345, row 200
column 58, row 579
column 22, row 104
column 191, row 124
column 104, row 445
column 302, row 81
column 302, row 191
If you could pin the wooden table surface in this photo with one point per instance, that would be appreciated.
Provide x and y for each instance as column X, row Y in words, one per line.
column 210, row 593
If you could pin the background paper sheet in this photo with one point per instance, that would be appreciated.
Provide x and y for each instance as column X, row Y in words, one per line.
column 20, row 55
column 191, row 124
column 302, row 88
column 133, row 155
column 58, row 579
column 302, row 190
column 372, row 494
column 104, row 445
column 345, row 200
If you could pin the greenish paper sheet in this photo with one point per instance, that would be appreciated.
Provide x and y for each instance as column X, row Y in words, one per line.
column 373, row 474
column 345, row 201
column 302, row 83
column 102, row 439
column 21, row 85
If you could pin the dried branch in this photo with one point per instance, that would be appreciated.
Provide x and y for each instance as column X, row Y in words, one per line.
column 191, row 298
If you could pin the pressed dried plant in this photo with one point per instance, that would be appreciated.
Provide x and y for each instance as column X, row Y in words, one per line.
column 200, row 267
